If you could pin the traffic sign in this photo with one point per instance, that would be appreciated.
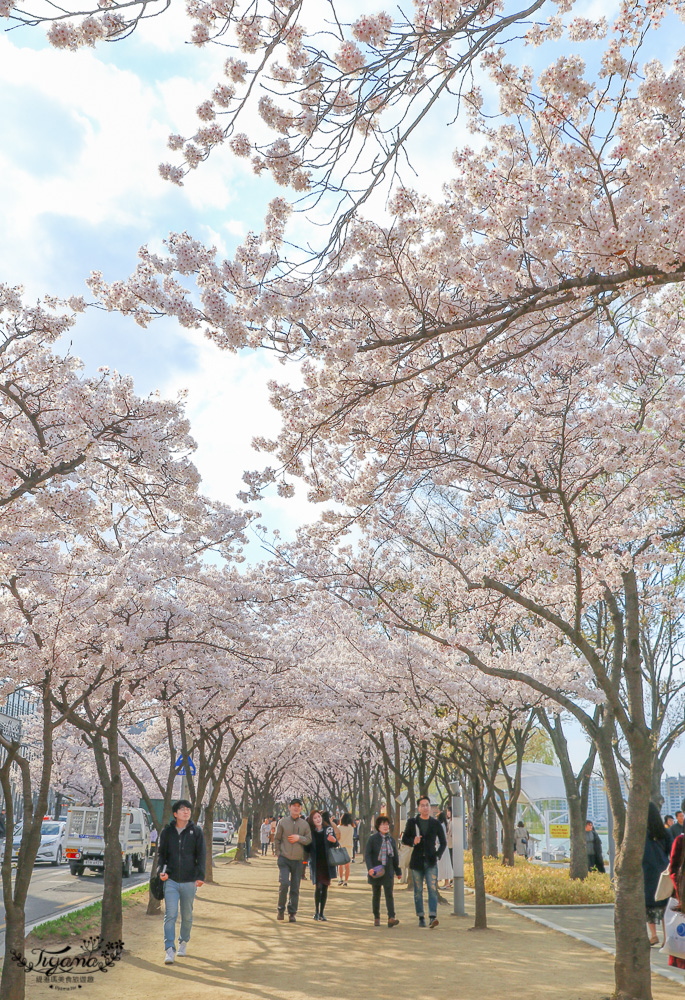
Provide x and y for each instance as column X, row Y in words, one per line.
column 179, row 763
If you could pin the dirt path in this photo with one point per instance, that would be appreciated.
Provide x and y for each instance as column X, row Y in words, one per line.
column 239, row 952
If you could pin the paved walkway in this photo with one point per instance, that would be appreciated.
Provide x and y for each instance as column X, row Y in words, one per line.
column 595, row 923
column 238, row 951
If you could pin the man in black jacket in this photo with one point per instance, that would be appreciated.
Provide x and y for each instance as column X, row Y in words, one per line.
column 181, row 862
column 427, row 837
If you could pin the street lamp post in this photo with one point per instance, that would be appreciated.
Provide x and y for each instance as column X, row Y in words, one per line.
column 458, row 848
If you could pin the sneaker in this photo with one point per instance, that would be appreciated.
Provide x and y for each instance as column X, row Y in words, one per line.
column 433, row 922
column 181, row 953
column 315, row 917
column 280, row 915
column 376, row 921
column 392, row 921
column 344, row 885
column 321, row 917
column 422, row 921
column 291, row 918
column 169, row 956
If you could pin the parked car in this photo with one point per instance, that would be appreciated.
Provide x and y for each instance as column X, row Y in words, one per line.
column 16, row 842
column 85, row 843
column 221, row 833
column 53, row 837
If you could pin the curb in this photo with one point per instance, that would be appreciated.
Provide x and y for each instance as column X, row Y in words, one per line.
column 75, row 909
column 517, row 908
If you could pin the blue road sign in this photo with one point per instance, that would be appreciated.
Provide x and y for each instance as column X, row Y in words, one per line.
column 179, row 763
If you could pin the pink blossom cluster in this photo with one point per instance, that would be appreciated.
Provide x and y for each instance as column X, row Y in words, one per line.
column 350, row 58
column 372, row 30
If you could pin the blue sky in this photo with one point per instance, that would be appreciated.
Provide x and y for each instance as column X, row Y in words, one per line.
column 82, row 136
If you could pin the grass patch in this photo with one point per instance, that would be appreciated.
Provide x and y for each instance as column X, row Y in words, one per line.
column 85, row 922
column 540, row 886
column 227, row 854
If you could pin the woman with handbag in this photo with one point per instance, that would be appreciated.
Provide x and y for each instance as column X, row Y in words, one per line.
column 346, row 838
column 321, row 867
column 654, row 859
column 382, row 860
column 677, row 870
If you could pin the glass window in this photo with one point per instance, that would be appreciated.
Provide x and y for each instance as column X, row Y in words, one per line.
column 90, row 823
column 49, row 829
column 76, row 826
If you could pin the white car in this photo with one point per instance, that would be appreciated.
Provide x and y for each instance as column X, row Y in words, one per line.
column 221, row 832
column 53, row 835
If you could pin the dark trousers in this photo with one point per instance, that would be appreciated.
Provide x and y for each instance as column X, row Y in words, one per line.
column 320, row 896
column 265, row 848
column 387, row 886
column 289, row 875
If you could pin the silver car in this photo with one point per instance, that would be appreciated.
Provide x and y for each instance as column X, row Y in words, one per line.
column 53, row 834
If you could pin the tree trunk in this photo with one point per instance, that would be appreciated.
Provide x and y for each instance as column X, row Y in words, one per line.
column 576, row 800
column 13, row 980
column 481, row 920
column 578, row 860
column 208, row 831
column 240, row 849
column 492, row 850
column 657, row 773
column 508, row 844
column 632, row 966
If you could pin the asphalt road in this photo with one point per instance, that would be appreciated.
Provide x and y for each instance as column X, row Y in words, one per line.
column 55, row 890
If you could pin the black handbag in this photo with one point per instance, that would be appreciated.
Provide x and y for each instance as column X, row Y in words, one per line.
column 338, row 856
column 156, row 886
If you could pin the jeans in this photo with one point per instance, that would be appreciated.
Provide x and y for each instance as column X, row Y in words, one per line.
column 376, row 887
column 265, row 847
column 289, row 875
column 175, row 893
column 431, row 877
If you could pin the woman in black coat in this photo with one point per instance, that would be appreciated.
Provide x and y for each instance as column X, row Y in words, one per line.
column 320, row 868
column 381, row 852
column 654, row 860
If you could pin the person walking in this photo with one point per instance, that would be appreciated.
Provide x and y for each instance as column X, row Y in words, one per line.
column 445, row 869
column 427, row 839
column 521, row 839
column 264, row 834
column 355, row 841
column 293, row 834
column 593, row 848
column 675, row 829
column 346, row 838
column 181, row 864
column 382, row 859
column 248, row 839
column 676, row 870
column 321, row 870
column 654, row 860
column 272, row 834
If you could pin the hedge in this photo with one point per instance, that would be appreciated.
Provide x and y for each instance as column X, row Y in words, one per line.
column 538, row 885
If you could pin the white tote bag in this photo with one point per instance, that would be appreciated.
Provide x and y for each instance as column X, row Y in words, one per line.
column 674, row 928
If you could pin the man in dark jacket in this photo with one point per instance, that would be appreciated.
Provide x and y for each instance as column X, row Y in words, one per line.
column 675, row 829
column 593, row 848
column 181, row 862
column 427, row 837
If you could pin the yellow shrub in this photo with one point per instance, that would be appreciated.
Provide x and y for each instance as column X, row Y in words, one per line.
column 538, row 885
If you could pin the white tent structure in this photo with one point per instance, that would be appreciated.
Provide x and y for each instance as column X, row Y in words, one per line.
column 540, row 783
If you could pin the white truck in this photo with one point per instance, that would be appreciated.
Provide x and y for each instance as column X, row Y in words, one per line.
column 85, row 842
